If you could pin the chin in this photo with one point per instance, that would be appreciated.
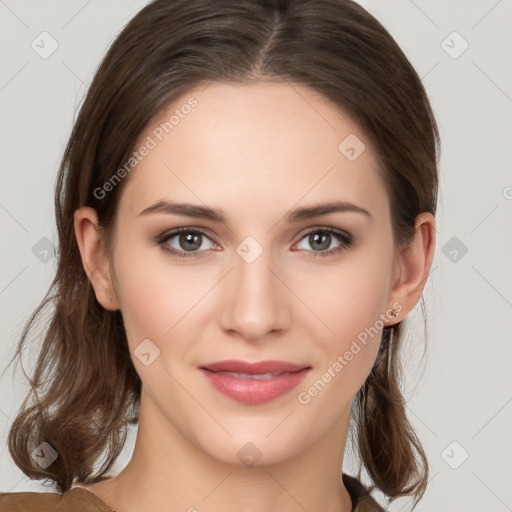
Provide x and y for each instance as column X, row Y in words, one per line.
column 255, row 447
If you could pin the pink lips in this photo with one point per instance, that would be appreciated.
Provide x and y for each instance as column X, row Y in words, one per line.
column 254, row 385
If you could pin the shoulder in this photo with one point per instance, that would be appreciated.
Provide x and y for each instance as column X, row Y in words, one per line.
column 25, row 501
column 73, row 500
column 361, row 499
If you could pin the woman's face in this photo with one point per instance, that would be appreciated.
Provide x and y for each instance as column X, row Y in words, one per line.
column 272, row 281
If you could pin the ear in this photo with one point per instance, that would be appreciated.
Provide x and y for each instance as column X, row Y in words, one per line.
column 412, row 267
column 94, row 256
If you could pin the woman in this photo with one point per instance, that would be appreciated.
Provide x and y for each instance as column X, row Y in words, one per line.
column 245, row 212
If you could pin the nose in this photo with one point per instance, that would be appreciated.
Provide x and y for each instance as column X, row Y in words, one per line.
column 256, row 303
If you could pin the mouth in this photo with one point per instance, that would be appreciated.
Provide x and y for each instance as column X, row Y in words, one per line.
column 254, row 383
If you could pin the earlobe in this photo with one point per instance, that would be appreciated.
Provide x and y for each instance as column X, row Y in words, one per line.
column 413, row 265
column 94, row 257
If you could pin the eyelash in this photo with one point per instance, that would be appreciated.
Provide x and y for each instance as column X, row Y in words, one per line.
column 346, row 239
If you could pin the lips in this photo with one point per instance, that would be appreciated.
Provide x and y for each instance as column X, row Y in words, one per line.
column 254, row 383
column 260, row 367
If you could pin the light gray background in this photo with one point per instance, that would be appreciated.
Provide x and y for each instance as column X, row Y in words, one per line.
column 462, row 391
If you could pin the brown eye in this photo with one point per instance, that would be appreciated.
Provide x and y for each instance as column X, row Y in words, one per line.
column 190, row 241
column 181, row 241
column 326, row 241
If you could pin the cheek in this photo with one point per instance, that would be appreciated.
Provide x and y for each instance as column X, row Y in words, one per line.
column 154, row 296
column 348, row 297
column 348, row 300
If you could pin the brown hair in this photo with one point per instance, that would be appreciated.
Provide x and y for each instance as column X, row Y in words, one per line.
column 85, row 388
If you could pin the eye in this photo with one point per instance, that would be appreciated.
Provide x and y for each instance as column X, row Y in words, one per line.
column 326, row 241
column 188, row 243
column 185, row 242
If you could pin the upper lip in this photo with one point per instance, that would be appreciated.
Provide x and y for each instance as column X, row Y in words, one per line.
column 254, row 368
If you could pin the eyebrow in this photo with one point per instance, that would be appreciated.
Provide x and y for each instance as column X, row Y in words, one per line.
column 216, row 215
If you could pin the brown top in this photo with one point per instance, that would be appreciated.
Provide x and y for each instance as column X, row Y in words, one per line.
column 78, row 499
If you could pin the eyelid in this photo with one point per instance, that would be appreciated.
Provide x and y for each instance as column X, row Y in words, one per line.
column 328, row 229
column 172, row 233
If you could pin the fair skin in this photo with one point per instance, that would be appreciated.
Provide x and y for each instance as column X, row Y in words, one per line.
column 256, row 152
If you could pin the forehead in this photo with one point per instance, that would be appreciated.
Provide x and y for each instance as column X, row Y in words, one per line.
column 264, row 144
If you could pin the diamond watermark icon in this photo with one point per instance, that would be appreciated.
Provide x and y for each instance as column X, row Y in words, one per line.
column 43, row 249
column 44, row 45
column 44, row 454
column 454, row 455
column 454, row 249
column 146, row 352
column 454, row 45
column 351, row 147
column 249, row 455
column 249, row 249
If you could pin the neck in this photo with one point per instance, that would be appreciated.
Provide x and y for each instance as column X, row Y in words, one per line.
column 184, row 477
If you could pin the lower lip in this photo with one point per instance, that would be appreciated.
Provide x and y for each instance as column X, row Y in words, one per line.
column 253, row 391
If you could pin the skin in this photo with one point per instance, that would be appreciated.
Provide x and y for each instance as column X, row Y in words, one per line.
column 256, row 152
